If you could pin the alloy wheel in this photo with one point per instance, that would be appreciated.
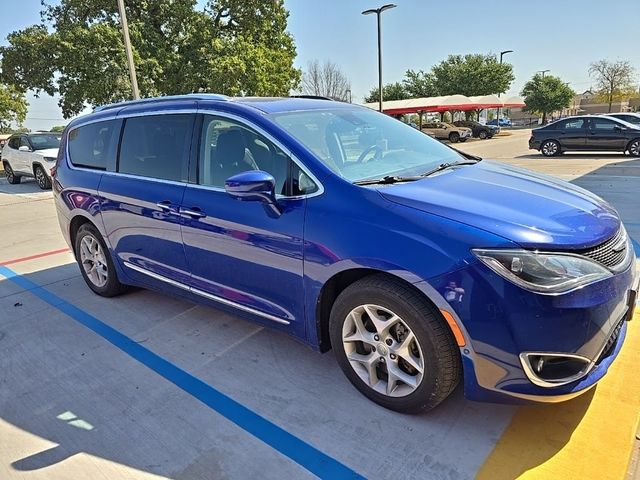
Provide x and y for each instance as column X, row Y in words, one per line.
column 41, row 178
column 634, row 148
column 550, row 148
column 382, row 350
column 94, row 261
column 8, row 172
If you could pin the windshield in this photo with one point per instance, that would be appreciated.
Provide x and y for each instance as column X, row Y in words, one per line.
column 360, row 144
column 41, row 142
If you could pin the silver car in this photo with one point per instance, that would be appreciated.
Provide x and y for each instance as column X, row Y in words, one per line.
column 31, row 155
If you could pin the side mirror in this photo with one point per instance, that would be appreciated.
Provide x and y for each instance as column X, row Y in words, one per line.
column 253, row 185
column 23, row 148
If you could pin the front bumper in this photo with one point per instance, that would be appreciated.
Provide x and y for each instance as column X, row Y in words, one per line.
column 501, row 320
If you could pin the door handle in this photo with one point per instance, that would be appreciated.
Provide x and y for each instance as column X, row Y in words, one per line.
column 193, row 212
column 167, row 206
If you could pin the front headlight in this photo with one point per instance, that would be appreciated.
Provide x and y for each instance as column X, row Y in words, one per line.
column 543, row 272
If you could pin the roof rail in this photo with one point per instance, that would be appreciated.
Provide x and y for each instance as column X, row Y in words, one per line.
column 167, row 98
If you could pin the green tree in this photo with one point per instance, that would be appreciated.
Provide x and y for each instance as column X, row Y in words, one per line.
column 546, row 94
column 614, row 80
column 471, row 75
column 57, row 128
column 420, row 84
column 391, row 91
column 13, row 106
column 235, row 47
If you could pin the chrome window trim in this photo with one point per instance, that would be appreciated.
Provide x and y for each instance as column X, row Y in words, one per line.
column 204, row 294
column 196, row 111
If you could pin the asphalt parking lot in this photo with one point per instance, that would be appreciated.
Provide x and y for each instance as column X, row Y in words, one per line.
column 147, row 386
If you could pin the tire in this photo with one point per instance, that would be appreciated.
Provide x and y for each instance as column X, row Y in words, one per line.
column 91, row 251
column 482, row 135
column 454, row 137
column 12, row 178
column 550, row 148
column 41, row 177
column 432, row 346
column 634, row 147
column 462, row 140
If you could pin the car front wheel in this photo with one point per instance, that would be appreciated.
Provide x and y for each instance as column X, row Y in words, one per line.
column 393, row 345
column 634, row 147
column 454, row 137
column 550, row 148
column 482, row 135
column 12, row 178
column 95, row 262
column 41, row 178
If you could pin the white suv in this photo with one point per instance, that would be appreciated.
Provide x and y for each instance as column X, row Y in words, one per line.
column 31, row 155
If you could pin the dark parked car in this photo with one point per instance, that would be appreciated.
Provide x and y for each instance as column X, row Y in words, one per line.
column 586, row 133
column 632, row 118
column 420, row 266
column 478, row 130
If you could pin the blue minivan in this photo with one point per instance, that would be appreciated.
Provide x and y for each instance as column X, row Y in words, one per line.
column 420, row 266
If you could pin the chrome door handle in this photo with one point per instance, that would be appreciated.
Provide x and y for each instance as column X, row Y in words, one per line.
column 193, row 212
column 167, row 206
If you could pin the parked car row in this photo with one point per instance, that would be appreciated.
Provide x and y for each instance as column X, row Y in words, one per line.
column 30, row 155
column 447, row 131
column 588, row 133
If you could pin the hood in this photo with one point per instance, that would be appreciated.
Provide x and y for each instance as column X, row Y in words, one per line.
column 47, row 152
column 533, row 210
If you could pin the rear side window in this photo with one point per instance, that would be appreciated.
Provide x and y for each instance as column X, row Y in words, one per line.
column 575, row 124
column 94, row 145
column 14, row 142
column 156, row 146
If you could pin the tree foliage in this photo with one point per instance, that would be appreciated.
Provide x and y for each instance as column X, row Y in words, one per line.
column 546, row 94
column 235, row 47
column 614, row 80
column 390, row 91
column 13, row 106
column 420, row 84
column 57, row 128
column 326, row 80
column 471, row 75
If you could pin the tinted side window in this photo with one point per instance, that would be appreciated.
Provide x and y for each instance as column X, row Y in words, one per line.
column 24, row 142
column 14, row 142
column 94, row 145
column 156, row 146
column 602, row 124
column 228, row 148
column 575, row 124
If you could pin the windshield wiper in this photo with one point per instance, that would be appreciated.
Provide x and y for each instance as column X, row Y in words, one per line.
column 444, row 166
column 387, row 179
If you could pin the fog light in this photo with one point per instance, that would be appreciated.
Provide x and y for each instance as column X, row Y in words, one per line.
column 554, row 369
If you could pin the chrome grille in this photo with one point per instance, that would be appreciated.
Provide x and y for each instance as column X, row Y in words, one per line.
column 610, row 253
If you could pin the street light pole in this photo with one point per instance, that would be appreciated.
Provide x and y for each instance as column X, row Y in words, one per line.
column 378, row 12
column 543, row 72
column 502, row 53
column 127, row 48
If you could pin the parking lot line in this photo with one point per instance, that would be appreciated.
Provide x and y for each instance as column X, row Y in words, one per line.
column 287, row 444
column 591, row 436
column 34, row 257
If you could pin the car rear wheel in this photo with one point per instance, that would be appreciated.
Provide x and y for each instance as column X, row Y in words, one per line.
column 41, row 178
column 482, row 135
column 95, row 262
column 634, row 147
column 393, row 345
column 550, row 148
column 454, row 137
column 12, row 178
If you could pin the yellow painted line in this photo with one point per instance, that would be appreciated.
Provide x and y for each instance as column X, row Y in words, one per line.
column 589, row 437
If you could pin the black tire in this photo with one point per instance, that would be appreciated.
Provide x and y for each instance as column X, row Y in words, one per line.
column 634, row 147
column 113, row 286
column 12, row 178
column 441, row 355
column 462, row 140
column 482, row 135
column 41, row 177
column 550, row 148
column 454, row 137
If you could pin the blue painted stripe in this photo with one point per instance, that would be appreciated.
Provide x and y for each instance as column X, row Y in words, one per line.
column 289, row 445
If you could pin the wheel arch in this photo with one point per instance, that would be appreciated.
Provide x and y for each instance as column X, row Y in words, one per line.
column 341, row 280
column 74, row 225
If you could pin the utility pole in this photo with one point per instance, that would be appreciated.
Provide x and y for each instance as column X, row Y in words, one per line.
column 378, row 11
column 543, row 72
column 127, row 48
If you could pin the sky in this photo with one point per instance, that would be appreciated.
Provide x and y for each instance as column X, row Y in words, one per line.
column 563, row 36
